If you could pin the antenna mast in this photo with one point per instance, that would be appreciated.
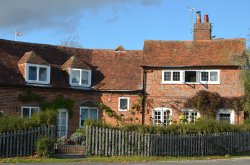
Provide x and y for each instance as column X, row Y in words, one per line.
column 191, row 9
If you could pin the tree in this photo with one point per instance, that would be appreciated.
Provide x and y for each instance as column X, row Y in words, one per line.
column 71, row 41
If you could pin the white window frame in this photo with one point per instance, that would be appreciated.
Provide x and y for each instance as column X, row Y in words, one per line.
column 226, row 111
column 37, row 74
column 119, row 108
column 198, row 77
column 80, row 112
column 190, row 111
column 162, row 110
column 209, row 75
column 80, row 81
column 30, row 107
column 171, row 81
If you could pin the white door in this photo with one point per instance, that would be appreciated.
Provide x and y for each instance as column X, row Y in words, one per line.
column 62, row 125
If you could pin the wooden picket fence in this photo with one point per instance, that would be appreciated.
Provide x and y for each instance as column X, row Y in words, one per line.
column 22, row 143
column 111, row 142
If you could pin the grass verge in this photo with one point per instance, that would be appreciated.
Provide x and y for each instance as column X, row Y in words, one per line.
column 120, row 159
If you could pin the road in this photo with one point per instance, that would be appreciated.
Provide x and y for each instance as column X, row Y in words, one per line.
column 239, row 161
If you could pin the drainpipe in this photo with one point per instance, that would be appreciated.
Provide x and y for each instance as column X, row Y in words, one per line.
column 144, row 94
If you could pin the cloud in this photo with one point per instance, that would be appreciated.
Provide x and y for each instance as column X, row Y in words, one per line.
column 64, row 14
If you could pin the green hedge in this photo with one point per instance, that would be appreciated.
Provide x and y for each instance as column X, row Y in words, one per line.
column 202, row 126
column 15, row 123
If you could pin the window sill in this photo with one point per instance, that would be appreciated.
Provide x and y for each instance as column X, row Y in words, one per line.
column 37, row 82
column 191, row 83
column 122, row 110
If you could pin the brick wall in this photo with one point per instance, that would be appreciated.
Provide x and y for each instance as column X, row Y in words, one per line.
column 174, row 95
column 10, row 103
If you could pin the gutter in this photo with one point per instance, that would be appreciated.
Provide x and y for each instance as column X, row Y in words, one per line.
column 87, row 90
column 144, row 94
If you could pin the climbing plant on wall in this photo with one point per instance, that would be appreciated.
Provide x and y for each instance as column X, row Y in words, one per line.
column 58, row 103
column 208, row 103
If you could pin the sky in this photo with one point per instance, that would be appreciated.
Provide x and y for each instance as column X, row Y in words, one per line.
column 106, row 24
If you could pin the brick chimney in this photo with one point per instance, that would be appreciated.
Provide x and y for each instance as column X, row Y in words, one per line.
column 202, row 31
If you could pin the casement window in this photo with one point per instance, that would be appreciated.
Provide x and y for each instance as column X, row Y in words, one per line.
column 39, row 74
column 80, row 77
column 190, row 116
column 172, row 76
column 226, row 115
column 191, row 76
column 209, row 77
column 87, row 113
column 123, row 104
column 162, row 116
column 27, row 111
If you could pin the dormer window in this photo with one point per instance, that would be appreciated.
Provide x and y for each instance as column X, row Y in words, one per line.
column 80, row 77
column 39, row 74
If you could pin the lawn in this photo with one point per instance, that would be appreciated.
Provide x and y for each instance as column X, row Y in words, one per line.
column 114, row 159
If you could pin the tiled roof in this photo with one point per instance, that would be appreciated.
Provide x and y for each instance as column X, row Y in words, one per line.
column 219, row 52
column 32, row 58
column 72, row 62
column 111, row 70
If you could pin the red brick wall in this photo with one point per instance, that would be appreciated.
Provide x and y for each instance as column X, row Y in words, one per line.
column 173, row 95
column 10, row 103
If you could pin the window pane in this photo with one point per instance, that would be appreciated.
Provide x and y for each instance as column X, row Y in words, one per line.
column 190, row 76
column 85, row 77
column 26, row 112
column 213, row 76
column 157, row 117
column 75, row 76
column 176, row 76
column 42, row 74
column 34, row 110
column 93, row 114
column 124, row 104
column 193, row 117
column 167, row 76
column 224, row 117
column 32, row 73
column 204, row 76
column 84, row 115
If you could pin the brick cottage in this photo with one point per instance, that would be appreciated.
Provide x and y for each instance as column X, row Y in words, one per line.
column 140, row 86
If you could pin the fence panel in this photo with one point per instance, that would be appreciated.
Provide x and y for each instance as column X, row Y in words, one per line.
column 110, row 142
column 22, row 143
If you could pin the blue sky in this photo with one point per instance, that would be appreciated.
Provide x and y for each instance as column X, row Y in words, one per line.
column 109, row 23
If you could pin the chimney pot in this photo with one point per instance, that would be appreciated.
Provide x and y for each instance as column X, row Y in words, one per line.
column 206, row 19
column 198, row 17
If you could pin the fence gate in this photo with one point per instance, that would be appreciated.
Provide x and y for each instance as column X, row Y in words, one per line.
column 70, row 145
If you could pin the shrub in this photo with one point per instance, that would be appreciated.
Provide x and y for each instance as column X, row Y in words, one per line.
column 96, row 123
column 16, row 123
column 78, row 136
column 45, row 147
column 204, row 125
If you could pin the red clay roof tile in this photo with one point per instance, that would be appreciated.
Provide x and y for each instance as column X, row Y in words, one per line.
column 220, row 52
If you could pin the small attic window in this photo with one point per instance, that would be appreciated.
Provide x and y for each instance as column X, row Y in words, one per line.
column 80, row 77
column 39, row 74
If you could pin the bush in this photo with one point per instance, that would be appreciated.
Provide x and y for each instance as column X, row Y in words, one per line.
column 45, row 147
column 204, row 125
column 16, row 123
column 96, row 123
column 78, row 136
